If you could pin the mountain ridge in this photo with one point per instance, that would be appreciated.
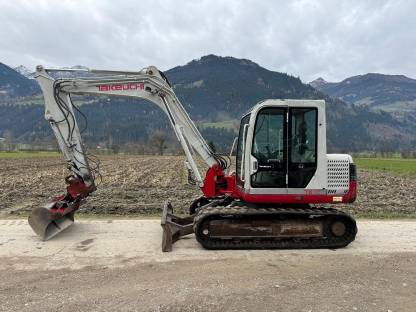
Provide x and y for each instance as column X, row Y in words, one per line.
column 23, row 70
column 392, row 93
column 14, row 84
column 212, row 89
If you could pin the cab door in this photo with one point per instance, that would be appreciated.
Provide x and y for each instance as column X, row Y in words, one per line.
column 241, row 144
column 269, row 149
column 284, row 149
column 302, row 147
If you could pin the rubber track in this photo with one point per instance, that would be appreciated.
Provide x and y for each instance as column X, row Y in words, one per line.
column 209, row 213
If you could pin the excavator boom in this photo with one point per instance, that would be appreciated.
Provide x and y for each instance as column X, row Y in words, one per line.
column 147, row 84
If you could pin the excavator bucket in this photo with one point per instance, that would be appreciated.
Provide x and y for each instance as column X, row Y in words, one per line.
column 46, row 223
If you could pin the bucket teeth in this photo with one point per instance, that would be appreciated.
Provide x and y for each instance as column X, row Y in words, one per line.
column 47, row 224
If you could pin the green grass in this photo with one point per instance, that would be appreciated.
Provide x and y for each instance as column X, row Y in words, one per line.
column 37, row 100
column 27, row 154
column 395, row 165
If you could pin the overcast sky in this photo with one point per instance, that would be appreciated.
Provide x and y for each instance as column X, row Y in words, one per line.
column 332, row 39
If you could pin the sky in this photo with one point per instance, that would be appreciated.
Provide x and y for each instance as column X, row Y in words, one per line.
column 307, row 39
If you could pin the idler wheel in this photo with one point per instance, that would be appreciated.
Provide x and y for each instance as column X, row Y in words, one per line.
column 338, row 228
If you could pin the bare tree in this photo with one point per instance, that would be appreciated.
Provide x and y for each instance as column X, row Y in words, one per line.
column 8, row 140
column 157, row 140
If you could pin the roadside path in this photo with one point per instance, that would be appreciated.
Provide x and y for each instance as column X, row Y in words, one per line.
column 115, row 243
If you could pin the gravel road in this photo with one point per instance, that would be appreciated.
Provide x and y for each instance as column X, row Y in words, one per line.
column 117, row 265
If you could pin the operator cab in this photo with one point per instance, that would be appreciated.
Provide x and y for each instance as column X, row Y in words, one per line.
column 282, row 148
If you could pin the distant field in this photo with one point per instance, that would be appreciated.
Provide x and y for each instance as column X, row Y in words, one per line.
column 402, row 166
column 395, row 165
column 9, row 155
column 37, row 100
column 228, row 124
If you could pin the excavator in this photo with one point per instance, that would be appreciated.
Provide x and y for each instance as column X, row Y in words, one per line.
column 274, row 199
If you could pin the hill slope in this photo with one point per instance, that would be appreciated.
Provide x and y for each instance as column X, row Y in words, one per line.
column 23, row 70
column 230, row 86
column 14, row 84
column 388, row 92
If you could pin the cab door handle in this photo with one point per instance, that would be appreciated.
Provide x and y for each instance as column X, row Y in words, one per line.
column 255, row 166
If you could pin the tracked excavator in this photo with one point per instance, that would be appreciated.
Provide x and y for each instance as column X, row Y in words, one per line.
column 274, row 199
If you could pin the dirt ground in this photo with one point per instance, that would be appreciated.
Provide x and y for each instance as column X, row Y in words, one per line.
column 318, row 283
column 141, row 184
column 117, row 265
column 130, row 184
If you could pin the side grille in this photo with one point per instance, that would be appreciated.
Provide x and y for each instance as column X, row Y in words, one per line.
column 338, row 175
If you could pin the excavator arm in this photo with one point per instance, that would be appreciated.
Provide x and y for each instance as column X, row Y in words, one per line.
column 147, row 84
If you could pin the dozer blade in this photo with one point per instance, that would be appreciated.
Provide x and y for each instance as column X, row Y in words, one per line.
column 46, row 224
column 174, row 227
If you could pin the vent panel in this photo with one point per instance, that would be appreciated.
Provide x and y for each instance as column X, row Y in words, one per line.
column 338, row 175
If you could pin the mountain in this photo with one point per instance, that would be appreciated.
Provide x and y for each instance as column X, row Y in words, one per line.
column 392, row 93
column 24, row 71
column 214, row 89
column 14, row 84
column 318, row 83
column 71, row 74
column 230, row 86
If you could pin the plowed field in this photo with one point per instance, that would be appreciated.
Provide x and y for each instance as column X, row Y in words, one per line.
column 141, row 184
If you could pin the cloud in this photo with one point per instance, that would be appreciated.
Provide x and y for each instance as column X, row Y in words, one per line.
column 332, row 39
